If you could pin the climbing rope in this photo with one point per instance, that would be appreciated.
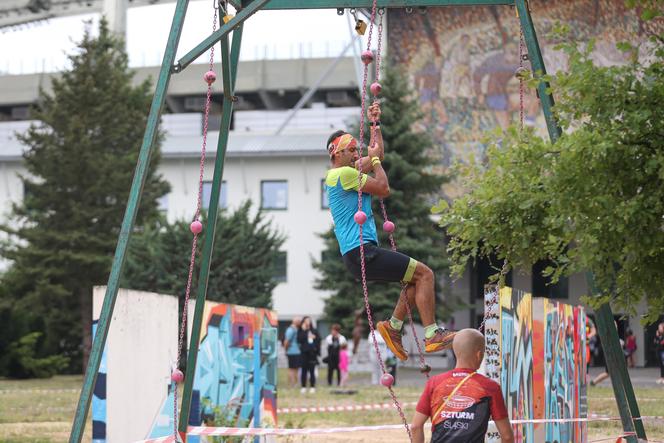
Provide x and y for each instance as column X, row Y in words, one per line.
column 522, row 71
column 196, row 228
column 367, row 57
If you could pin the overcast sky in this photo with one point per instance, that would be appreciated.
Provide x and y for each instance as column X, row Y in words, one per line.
column 272, row 34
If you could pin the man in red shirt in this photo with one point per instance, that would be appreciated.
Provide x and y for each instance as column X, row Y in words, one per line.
column 461, row 401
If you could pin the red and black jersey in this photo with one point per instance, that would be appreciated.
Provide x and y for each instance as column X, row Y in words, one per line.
column 465, row 416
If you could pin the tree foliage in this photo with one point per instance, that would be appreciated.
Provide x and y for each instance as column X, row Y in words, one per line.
column 591, row 201
column 412, row 186
column 242, row 263
column 80, row 159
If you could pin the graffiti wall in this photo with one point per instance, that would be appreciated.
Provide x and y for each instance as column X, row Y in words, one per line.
column 235, row 372
column 536, row 348
column 516, row 375
column 224, row 380
column 461, row 63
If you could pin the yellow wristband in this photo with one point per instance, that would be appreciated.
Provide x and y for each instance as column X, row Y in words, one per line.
column 375, row 161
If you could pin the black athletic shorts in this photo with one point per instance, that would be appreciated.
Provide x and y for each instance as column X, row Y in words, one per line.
column 294, row 361
column 380, row 264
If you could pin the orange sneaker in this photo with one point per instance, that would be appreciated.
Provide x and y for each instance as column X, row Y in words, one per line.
column 392, row 339
column 441, row 340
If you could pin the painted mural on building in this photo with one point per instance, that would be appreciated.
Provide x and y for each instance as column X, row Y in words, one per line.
column 224, row 380
column 535, row 351
column 461, row 62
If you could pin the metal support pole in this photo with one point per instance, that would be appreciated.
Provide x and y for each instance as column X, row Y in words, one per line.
column 622, row 385
column 216, row 36
column 357, row 4
column 127, row 227
column 229, row 72
column 539, row 70
column 608, row 334
column 258, row 385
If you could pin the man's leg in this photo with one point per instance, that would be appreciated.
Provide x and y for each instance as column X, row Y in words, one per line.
column 424, row 293
column 401, row 310
column 390, row 330
column 435, row 338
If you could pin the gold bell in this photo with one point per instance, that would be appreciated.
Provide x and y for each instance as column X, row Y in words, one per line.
column 227, row 18
column 360, row 27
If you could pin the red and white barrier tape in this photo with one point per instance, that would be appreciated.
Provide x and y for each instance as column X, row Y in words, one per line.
column 205, row 430
column 366, row 407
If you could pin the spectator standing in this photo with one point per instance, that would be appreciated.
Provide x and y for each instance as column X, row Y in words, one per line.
column 293, row 351
column 630, row 347
column 334, row 341
column 343, row 364
column 659, row 349
column 309, row 340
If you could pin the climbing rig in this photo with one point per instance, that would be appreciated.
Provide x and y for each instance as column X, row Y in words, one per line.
column 230, row 51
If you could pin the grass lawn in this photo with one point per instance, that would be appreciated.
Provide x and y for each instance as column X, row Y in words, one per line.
column 34, row 411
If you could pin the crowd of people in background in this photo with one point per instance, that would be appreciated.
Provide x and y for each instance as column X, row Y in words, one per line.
column 303, row 347
column 302, row 343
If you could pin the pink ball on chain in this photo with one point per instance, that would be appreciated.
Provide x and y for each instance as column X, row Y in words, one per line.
column 210, row 77
column 375, row 88
column 177, row 376
column 196, row 227
column 386, row 380
column 367, row 57
column 388, row 227
column 360, row 217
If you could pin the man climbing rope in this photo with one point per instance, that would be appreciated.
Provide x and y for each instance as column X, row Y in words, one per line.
column 342, row 183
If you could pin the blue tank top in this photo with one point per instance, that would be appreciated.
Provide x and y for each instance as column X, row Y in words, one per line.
column 341, row 185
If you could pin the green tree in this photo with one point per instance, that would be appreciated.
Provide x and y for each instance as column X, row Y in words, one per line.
column 242, row 264
column 593, row 200
column 412, row 188
column 80, row 159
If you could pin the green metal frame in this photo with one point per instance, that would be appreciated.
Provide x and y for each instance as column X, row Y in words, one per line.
column 230, row 61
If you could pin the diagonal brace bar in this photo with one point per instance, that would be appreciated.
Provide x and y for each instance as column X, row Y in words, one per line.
column 216, row 36
column 606, row 328
column 128, row 223
column 539, row 70
column 229, row 72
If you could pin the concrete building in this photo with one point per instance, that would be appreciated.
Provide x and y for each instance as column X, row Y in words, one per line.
column 282, row 173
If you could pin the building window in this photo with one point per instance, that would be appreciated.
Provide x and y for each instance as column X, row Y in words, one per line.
column 324, row 203
column 274, row 194
column 223, row 195
column 542, row 286
column 280, row 267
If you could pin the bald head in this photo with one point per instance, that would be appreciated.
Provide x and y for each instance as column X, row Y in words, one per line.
column 468, row 347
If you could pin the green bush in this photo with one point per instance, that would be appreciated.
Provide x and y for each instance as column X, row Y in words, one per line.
column 23, row 360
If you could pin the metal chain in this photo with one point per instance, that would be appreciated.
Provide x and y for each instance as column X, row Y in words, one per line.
column 521, row 86
column 194, row 242
column 367, row 306
column 422, row 361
